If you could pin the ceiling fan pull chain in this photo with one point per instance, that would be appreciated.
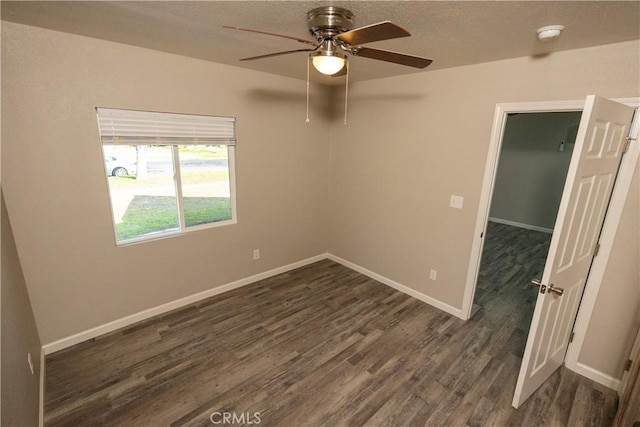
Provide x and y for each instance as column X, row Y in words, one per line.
column 346, row 91
column 308, row 60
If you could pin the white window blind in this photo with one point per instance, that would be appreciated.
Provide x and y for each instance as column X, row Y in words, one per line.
column 133, row 127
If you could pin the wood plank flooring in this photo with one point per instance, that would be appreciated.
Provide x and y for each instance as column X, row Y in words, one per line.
column 321, row 346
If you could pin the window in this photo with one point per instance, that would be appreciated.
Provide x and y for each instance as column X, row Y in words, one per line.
column 167, row 173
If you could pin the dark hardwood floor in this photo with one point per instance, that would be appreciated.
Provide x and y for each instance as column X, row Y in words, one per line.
column 511, row 258
column 323, row 345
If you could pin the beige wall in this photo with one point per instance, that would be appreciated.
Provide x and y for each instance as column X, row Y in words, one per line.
column 56, row 189
column 615, row 319
column 413, row 141
column 531, row 170
column 20, row 389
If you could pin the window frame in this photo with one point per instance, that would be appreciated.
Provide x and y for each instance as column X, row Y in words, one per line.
column 175, row 150
column 183, row 229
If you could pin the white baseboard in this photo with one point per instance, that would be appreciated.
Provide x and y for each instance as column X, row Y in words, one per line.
column 595, row 375
column 400, row 287
column 164, row 308
column 521, row 225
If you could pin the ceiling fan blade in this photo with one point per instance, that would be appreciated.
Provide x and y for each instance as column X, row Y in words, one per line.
column 372, row 33
column 395, row 57
column 269, row 55
column 313, row 43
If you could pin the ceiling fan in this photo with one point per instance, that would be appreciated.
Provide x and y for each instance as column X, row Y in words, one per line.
column 332, row 27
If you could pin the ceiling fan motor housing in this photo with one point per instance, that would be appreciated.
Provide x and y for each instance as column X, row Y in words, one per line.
column 328, row 21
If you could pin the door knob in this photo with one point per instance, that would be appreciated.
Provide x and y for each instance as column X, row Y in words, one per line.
column 555, row 290
column 551, row 288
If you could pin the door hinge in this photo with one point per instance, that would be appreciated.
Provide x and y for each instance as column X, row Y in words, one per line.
column 628, row 140
column 571, row 337
column 596, row 250
column 627, row 365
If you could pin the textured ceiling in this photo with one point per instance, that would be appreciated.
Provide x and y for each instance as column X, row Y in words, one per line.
column 452, row 33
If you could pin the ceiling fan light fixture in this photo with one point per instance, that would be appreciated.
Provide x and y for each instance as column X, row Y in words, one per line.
column 332, row 29
column 328, row 63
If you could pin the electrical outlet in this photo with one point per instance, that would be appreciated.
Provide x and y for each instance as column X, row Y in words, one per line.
column 30, row 363
column 456, row 201
column 256, row 254
column 433, row 274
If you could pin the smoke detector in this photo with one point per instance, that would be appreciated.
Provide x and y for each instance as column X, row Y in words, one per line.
column 549, row 32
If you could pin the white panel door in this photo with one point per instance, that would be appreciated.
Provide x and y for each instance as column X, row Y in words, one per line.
column 598, row 149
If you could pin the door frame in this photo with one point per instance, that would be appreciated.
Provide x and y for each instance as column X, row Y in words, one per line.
column 618, row 198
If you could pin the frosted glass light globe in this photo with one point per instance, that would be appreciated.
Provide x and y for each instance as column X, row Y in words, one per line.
column 328, row 65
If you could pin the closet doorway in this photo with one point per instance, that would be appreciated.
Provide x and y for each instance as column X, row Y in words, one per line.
column 532, row 166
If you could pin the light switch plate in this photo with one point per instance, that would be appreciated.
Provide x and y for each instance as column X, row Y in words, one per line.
column 456, row 202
